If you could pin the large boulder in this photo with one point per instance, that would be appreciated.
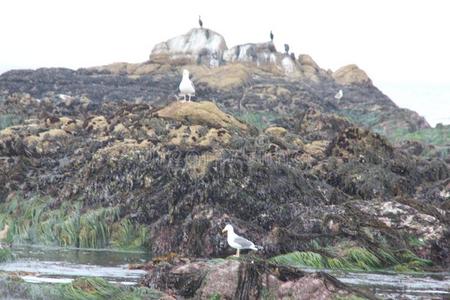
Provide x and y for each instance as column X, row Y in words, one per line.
column 199, row 45
column 246, row 279
column 258, row 53
column 351, row 74
column 200, row 113
column 262, row 55
column 309, row 68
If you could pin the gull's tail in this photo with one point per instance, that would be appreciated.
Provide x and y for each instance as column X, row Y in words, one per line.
column 256, row 248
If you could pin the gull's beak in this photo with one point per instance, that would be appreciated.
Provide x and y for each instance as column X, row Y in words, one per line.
column 224, row 231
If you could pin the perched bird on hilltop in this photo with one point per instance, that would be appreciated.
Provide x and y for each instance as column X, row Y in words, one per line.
column 293, row 56
column 339, row 95
column 286, row 48
column 271, row 36
column 237, row 242
column 186, row 86
column 200, row 22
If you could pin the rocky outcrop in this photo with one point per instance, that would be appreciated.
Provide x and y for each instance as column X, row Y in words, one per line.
column 310, row 69
column 259, row 54
column 187, row 169
column 246, row 78
column 263, row 55
column 351, row 74
column 200, row 113
column 278, row 156
column 199, row 45
column 247, row 279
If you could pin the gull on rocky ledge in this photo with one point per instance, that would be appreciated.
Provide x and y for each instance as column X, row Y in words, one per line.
column 186, row 86
column 237, row 242
column 339, row 95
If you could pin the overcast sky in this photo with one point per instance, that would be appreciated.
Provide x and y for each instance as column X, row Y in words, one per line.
column 404, row 46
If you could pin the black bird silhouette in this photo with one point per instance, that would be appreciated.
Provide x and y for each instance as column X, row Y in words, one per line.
column 200, row 22
column 271, row 36
column 286, row 48
column 293, row 56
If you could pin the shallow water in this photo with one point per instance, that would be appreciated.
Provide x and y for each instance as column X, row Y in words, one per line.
column 61, row 265
column 390, row 285
column 401, row 286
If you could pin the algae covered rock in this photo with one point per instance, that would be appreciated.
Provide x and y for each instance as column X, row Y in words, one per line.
column 200, row 113
column 248, row 279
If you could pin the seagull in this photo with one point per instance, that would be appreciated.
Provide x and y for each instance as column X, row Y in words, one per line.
column 271, row 36
column 339, row 95
column 186, row 86
column 286, row 48
column 200, row 22
column 237, row 242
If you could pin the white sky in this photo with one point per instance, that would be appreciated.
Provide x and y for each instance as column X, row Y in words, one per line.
column 404, row 46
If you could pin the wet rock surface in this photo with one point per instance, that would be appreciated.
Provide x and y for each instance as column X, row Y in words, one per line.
column 243, row 279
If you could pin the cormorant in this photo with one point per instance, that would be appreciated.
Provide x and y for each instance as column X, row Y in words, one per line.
column 271, row 36
column 200, row 22
column 286, row 48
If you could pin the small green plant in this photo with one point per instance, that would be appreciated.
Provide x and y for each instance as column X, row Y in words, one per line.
column 309, row 259
column 411, row 262
column 80, row 288
column 362, row 118
column 99, row 288
column 5, row 255
column 127, row 235
column 215, row 296
column 260, row 120
column 89, row 288
column 413, row 241
column 363, row 258
column 8, row 120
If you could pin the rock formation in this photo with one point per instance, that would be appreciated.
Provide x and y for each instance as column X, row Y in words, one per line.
column 351, row 74
column 275, row 155
column 199, row 45
column 246, row 279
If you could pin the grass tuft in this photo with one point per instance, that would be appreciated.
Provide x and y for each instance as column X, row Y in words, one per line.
column 5, row 255
column 89, row 288
column 355, row 258
column 31, row 221
column 308, row 259
column 8, row 120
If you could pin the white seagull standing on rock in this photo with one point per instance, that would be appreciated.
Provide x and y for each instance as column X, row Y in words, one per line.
column 339, row 95
column 237, row 242
column 186, row 86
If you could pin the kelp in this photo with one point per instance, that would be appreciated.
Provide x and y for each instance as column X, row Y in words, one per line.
column 32, row 221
